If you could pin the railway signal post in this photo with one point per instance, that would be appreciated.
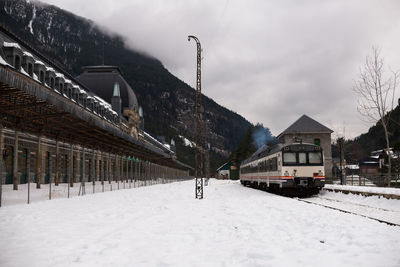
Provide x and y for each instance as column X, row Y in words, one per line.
column 198, row 172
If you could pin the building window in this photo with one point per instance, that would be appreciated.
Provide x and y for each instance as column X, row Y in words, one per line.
column 52, row 83
column 317, row 142
column 17, row 62
column 41, row 77
column 116, row 90
column 30, row 69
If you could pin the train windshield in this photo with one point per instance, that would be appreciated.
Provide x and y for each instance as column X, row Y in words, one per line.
column 315, row 157
column 289, row 158
column 302, row 158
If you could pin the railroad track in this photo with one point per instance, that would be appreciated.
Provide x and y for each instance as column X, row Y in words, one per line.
column 349, row 212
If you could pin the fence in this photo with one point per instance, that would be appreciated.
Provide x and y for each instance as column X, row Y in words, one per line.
column 367, row 180
column 28, row 192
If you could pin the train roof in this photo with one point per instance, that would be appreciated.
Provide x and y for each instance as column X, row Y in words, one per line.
column 266, row 150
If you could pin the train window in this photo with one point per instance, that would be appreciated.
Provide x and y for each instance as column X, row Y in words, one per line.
column 274, row 162
column 289, row 158
column 302, row 158
column 317, row 141
column 315, row 157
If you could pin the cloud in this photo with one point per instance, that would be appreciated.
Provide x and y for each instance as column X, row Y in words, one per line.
column 270, row 61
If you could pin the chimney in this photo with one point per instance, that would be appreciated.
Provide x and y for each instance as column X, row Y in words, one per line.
column 116, row 101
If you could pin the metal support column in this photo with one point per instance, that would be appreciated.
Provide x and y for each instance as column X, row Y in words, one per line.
column 56, row 180
column 2, row 167
column 198, row 126
column 15, row 162
column 39, row 162
column 83, row 177
column 28, row 175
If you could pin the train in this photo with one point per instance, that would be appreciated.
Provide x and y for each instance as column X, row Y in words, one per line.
column 295, row 169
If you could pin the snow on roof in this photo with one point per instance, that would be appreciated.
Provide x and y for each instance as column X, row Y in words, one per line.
column 3, row 62
column 35, row 77
column 24, row 72
column 50, row 69
column 187, row 142
column 59, row 75
column 15, row 45
column 81, row 91
column 27, row 54
column 102, row 102
column 155, row 140
column 352, row 167
column 67, row 81
column 39, row 62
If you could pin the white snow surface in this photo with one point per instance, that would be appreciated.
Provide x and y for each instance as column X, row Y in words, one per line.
column 163, row 225
column 15, row 45
column 33, row 18
column 187, row 142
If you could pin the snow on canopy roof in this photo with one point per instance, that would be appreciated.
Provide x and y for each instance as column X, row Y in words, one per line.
column 15, row 45
column 60, row 75
column 79, row 89
column 3, row 62
column 102, row 102
column 39, row 62
column 67, row 81
column 27, row 54
column 50, row 69
column 158, row 142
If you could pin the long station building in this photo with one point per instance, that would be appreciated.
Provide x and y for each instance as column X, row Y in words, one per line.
column 55, row 128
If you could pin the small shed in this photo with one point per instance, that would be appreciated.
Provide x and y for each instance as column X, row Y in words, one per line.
column 228, row 171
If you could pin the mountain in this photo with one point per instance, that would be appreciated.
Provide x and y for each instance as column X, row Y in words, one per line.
column 168, row 103
column 374, row 139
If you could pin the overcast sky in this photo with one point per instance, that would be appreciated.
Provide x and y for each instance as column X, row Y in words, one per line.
column 269, row 61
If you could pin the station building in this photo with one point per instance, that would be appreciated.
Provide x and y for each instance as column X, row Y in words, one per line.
column 55, row 128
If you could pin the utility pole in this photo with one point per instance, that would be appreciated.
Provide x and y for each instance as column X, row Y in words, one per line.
column 198, row 172
column 340, row 142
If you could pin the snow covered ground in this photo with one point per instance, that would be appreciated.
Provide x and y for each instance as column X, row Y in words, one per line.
column 163, row 225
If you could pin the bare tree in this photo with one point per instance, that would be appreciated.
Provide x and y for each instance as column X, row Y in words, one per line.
column 376, row 94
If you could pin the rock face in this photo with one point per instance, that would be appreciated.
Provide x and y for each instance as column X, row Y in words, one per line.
column 167, row 102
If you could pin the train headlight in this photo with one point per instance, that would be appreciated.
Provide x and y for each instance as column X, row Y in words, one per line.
column 286, row 173
column 320, row 173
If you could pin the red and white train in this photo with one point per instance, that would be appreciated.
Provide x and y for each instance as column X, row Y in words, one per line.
column 296, row 169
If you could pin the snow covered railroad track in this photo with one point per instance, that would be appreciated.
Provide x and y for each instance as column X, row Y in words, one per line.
column 310, row 201
column 357, row 204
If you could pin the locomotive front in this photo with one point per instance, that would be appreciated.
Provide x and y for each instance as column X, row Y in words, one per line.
column 303, row 166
